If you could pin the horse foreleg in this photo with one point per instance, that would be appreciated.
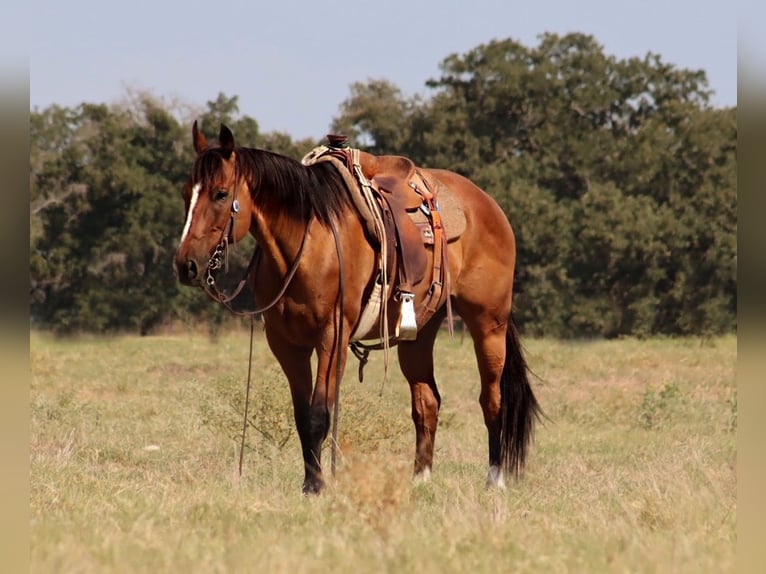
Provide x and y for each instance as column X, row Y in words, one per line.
column 296, row 364
column 322, row 401
column 417, row 364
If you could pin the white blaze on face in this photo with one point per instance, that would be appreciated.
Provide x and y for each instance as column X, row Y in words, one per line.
column 194, row 196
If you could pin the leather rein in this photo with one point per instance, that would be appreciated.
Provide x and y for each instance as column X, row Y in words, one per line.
column 219, row 259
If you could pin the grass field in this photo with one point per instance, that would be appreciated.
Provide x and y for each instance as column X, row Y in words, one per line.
column 134, row 448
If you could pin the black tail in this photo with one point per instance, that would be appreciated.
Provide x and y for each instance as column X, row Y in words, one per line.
column 520, row 409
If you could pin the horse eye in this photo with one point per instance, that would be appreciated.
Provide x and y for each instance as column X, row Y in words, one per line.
column 221, row 194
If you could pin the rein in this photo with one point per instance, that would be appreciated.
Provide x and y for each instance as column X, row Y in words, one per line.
column 219, row 259
column 247, row 395
column 339, row 362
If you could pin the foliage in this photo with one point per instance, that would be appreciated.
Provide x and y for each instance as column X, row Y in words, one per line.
column 618, row 177
column 108, row 218
column 657, row 405
column 106, row 210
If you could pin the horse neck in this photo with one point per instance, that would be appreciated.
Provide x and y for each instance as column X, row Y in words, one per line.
column 276, row 226
column 279, row 236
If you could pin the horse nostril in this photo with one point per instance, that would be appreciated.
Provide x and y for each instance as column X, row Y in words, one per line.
column 191, row 269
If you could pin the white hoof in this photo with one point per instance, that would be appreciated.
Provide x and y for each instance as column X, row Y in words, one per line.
column 422, row 476
column 495, row 477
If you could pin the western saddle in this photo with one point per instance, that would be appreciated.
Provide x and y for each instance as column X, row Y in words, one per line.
column 398, row 204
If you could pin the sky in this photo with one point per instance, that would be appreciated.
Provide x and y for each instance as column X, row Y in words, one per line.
column 291, row 63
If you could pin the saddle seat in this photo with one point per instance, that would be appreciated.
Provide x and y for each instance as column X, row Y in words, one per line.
column 395, row 174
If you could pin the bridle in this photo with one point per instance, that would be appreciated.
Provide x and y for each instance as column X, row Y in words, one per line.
column 219, row 257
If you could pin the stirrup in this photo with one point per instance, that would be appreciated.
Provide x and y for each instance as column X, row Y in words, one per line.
column 408, row 327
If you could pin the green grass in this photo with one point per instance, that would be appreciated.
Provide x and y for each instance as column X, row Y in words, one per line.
column 134, row 449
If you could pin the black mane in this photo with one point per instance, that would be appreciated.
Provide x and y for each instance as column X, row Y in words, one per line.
column 282, row 183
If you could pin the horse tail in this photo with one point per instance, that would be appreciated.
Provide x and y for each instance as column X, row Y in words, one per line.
column 519, row 407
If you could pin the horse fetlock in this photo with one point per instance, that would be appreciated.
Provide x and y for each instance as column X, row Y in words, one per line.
column 423, row 475
column 313, row 482
column 319, row 424
column 495, row 477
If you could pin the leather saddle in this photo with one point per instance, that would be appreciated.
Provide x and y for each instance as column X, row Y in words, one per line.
column 408, row 200
column 402, row 190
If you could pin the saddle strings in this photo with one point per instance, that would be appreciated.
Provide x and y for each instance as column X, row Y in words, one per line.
column 368, row 193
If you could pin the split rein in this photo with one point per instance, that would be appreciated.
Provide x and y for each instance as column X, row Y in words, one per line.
column 219, row 259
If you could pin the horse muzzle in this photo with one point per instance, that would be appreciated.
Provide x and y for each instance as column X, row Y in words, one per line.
column 188, row 271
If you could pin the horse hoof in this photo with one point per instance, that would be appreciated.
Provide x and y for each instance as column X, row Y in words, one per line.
column 495, row 478
column 422, row 477
column 312, row 487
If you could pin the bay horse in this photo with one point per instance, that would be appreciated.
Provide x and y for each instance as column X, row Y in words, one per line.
column 317, row 266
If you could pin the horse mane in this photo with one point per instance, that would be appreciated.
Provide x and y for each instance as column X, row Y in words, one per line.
column 282, row 183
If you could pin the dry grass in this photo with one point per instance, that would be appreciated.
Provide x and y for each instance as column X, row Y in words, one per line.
column 134, row 453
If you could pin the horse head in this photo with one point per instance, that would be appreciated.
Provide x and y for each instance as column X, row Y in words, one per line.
column 218, row 207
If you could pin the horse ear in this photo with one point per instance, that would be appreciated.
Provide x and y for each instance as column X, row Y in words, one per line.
column 226, row 139
column 198, row 140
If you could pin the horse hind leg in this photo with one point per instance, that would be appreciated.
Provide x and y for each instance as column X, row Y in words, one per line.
column 506, row 398
column 490, row 354
column 417, row 364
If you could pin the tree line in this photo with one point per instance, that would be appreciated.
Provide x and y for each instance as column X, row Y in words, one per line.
column 619, row 177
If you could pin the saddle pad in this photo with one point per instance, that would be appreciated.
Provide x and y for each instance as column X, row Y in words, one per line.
column 452, row 213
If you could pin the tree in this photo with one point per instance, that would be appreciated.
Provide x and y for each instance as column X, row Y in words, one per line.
column 282, row 143
column 101, row 261
column 376, row 116
column 619, row 178
column 225, row 110
column 106, row 213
